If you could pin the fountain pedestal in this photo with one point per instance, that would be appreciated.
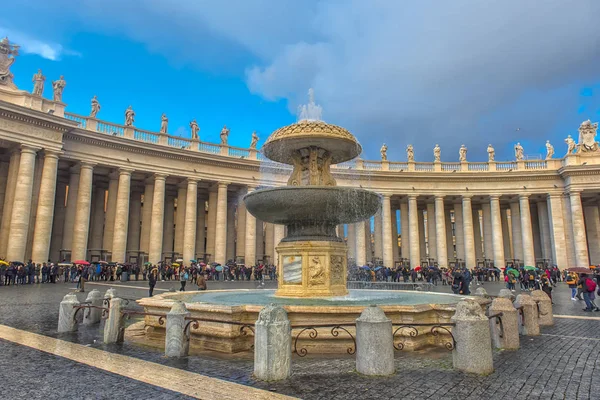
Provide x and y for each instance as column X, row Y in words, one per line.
column 312, row 269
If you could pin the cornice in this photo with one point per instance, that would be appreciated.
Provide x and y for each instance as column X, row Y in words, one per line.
column 36, row 118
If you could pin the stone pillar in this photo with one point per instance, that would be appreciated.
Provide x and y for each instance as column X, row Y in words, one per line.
column 73, row 188
column 3, row 183
column 9, row 197
column 569, row 231
column 449, row 238
column 157, row 220
column 535, row 229
column 368, row 242
column 169, row 224
column 240, row 241
column 477, row 234
column 404, row 231
column 176, row 341
column 378, row 235
column 180, row 218
column 431, row 231
column 458, row 231
column 530, row 325
column 510, row 324
column 488, row 241
column 35, row 197
column 93, row 315
column 201, row 227
column 592, row 225
column 121, row 226
column 395, row 247
column 544, row 304
column 517, row 232
column 221, row 224
column 146, row 216
column 388, row 249
column 66, row 314
column 361, row 251
column 422, row 228
column 111, row 210
column 351, row 241
column 190, row 228
column 440, row 231
column 278, row 235
column 114, row 327
column 21, row 211
column 413, row 231
column 81, row 225
column 499, row 260
column 231, row 232
column 472, row 335
column 272, row 344
column 468, row 233
column 506, row 233
column 542, row 208
column 557, row 230
column 59, row 221
column 45, row 209
column 97, row 218
column 135, row 218
column 270, row 242
column 374, row 343
column 212, row 223
column 526, row 231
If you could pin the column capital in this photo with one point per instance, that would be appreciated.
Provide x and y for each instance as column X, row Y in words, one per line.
column 439, row 196
column 50, row 153
column 191, row 179
column 554, row 195
column 572, row 192
column 495, row 196
column 523, row 196
column 25, row 148
column 87, row 165
column 222, row 184
column 159, row 176
column 468, row 196
column 125, row 171
column 412, row 196
column 386, row 195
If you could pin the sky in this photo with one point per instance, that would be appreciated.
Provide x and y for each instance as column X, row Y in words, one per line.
column 422, row 72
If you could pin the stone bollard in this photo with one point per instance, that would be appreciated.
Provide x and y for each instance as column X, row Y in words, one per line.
column 545, row 317
column 176, row 342
column 114, row 327
column 110, row 293
column 93, row 315
column 66, row 314
column 272, row 344
column 529, row 326
column 510, row 324
column 374, row 343
column 473, row 351
column 506, row 294
column 481, row 292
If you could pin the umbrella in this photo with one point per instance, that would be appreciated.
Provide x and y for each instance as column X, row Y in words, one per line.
column 418, row 268
column 580, row 270
column 202, row 264
column 147, row 263
column 592, row 267
column 81, row 262
column 179, row 260
column 513, row 271
column 2, row 262
column 175, row 264
column 529, row 268
column 219, row 268
column 17, row 262
column 64, row 264
column 193, row 261
column 378, row 268
column 365, row 267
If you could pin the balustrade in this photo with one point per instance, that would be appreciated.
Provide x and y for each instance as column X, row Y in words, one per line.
column 115, row 130
column 478, row 166
column 505, row 166
column 450, row 167
column 145, row 136
column 178, row 142
column 81, row 121
column 398, row 166
column 210, row 148
column 372, row 165
column 540, row 164
column 423, row 166
column 238, row 152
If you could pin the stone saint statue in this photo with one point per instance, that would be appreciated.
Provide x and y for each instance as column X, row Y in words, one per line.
column 437, row 153
column 164, row 123
column 58, row 87
column 587, row 137
column 549, row 150
column 224, row 135
column 383, row 152
column 491, row 153
column 410, row 153
column 519, row 152
column 254, row 140
column 129, row 116
column 95, row 107
column 195, row 129
column 462, row 153
column 8, row 52
column 38, row 83
column 570, row 145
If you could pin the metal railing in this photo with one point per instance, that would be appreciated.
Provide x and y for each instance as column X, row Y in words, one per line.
column 436, row 330
column 378, row 285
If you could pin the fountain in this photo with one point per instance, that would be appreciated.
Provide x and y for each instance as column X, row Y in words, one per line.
column 312, row 259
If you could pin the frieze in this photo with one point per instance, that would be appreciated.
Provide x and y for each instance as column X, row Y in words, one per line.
column 28, row 130
column 33, row 120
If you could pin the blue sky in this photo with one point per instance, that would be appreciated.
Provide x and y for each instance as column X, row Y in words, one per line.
column 419, row 72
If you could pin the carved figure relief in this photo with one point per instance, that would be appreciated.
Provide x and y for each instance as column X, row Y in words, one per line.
column 316, row 272
column 336, row 264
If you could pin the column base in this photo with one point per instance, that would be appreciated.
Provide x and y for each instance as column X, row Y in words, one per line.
column 312, row 269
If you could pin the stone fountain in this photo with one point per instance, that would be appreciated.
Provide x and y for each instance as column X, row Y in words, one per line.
column 312, row 259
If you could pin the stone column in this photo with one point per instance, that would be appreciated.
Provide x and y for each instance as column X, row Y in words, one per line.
column 404, row 232
column 180, row 217
column 169, row 224
column 499, row 260
column 146, row 216
column 395, row 247
column 374, row 343
column 458, row 231
column 477, row 234
column 231, row 232
column 431, row 232
column 250, row 245
column 361, row 250
column 45, row 209
column 542, row 208
column 517, row 233
column 488, row 241
column 71, row 208
column 9, row 197
column 506, row 233
column 592, row 220
column 270, row 242
column 3, row 183
column 260, row 239
column 190, row 228
column 278, row 235
column 449, row 238
column 240, row 241
column 59, row 221
column 221, row 224
column 111, row 210
column 272, row 344
column 176, row 342
column 97, row 218
column 569, row 236
column 468, row 232
column 557, row 230
column 121, row 226
column 440, row 231
column 526, row 231
column 351, row 241
column 579, row 236
column 472, row 335
column 157, row 220
column 35, row 196
column 200, row 227
column 211, row 223
column 413, row 231
column 422, row 229
column 135, row 217
column 368, row 242
column 378, row 234
column 388, row 252
column 535, row 228
column 81, row 225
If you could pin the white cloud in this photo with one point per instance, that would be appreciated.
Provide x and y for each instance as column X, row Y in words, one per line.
column 30, row 45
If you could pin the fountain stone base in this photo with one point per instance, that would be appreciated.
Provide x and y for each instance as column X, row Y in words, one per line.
column 312, row 269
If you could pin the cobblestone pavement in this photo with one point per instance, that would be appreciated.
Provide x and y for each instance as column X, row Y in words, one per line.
column 559, row 364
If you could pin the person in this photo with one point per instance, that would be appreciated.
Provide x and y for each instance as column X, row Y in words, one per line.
column 183, row 277
column 572, row 282
column 201, row 282
column 546, row 286
column 152, row 277
column 588, row 286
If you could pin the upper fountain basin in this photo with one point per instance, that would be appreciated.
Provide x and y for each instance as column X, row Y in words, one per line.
column 296, row 204
column 284, row 142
